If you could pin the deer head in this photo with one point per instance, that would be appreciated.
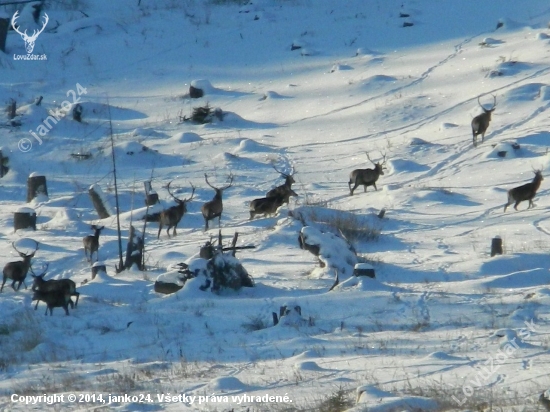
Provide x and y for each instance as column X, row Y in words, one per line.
column 29, row 40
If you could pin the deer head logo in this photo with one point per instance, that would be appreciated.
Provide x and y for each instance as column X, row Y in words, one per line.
column 29, row 40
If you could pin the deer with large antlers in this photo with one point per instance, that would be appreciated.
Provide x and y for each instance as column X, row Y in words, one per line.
column 214, row 208
column 91, row 243
column 480, row 123
column 17, row 271
column 283, row 191
column 366, row 177
column 172, row 216
column 29, row 40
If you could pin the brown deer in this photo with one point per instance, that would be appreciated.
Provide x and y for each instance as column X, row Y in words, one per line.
column 91, row 243
column 17, row 271
column 480, row 123
column 269, row 205
column 525, row 192
column 54, row 299
column 66, row 286
column 214, row 208
column 172, row 216
column 366, row 177
column 284, row 190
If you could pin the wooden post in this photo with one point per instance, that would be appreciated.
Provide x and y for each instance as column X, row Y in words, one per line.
column 36, row 185
column 364, row 269
column 3, row 164
column 96, row 194
column 24, row 218
column 98, row 267
column 151, row 197
column 77, row 113
column 4, row 25
column 134, row 250
column 496, row 246
column 12, row 109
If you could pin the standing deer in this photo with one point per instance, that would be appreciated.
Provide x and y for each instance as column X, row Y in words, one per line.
column 172, row 216
column 366, row 177
column 285, row 190
column 214, row 208
column 64, row 286
column 91, row 243
column 17, row 271
column 525, row 192
column 480, row 123
column 29, row 40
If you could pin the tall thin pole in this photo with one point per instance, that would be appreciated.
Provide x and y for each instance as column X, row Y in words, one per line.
column 120, row 267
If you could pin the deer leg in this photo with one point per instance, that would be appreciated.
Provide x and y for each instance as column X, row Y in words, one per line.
column 205, row 224
column 36, row 306
column 77, row 294
column 3, row 283
column 13, row 286
column 160, row 228
column 71, row 303
column 375, row 188
column 516, row 205
column 174, row 232
column 475, row 140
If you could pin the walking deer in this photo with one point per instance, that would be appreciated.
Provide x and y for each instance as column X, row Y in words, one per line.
column 66, row 286
column 172, row 216
column 17, row 271
column 525, row 192
column 214, row 208
column 480, row 123
column 55, row 299
column 269, row 205
column 91, row 243
column 283, row 191
column 366, row 177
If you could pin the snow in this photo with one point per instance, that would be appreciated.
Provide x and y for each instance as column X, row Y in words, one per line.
column 420, row 336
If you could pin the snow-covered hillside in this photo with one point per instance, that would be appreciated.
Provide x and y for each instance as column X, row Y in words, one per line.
column 314, row 89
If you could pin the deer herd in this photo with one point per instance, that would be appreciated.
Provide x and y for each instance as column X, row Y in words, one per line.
column 58, row 293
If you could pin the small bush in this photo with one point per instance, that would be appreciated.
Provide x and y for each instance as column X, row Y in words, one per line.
column 336, row 402
column 254, row 323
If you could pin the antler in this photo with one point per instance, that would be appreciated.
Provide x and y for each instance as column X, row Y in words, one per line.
column 35, row 249
column 383, row 158
column 192, row 193
column 43, row 272
column 221, row 188
column 171, row 194
column 230, row 182
column 494, row 103
column 368, row 157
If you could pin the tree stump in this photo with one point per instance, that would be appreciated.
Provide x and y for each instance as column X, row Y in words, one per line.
column 24, row 218
column 382, row 213
column 151, row 197
column 134, row 250
column 364, row 269
column 4, row 25
column 496, row 246
column 166, row 287
column 195, row 92
column 98, row 200
column 36, row 185
column 98, row 267
column 77, row 113
column 3, row 164
column 12, row 109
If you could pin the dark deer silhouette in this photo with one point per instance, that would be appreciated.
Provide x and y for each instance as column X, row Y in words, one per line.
column 214, row 208
column 172, row 216
column 525, row 192
column 55, row 299
column 480, row 123
column 283, row 191
column 66, row 286
column 17, row 271
column 91, row 243
column 366, row 177
column 269, row 205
